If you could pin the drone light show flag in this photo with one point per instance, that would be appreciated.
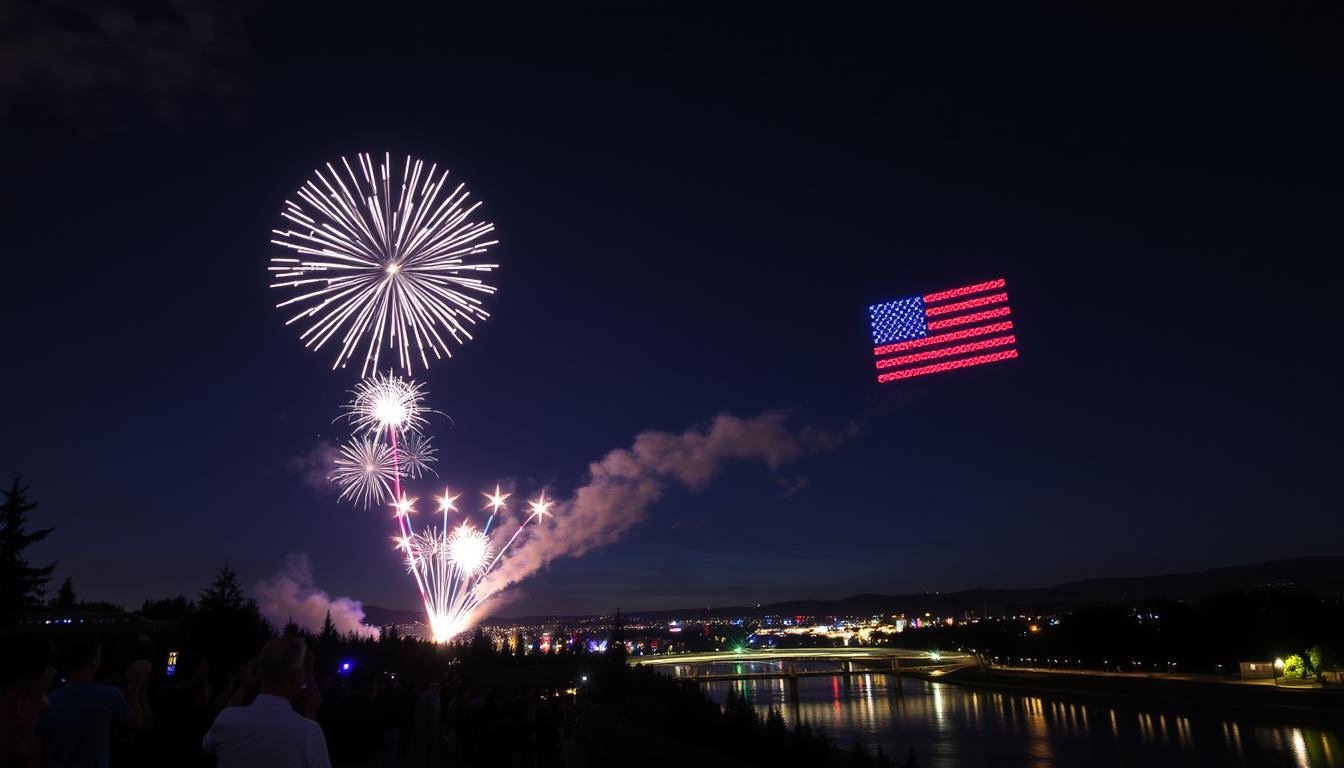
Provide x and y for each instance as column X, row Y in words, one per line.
column 942, row 331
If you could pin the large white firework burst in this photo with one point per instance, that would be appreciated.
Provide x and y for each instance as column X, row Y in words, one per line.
column 382, row 260
column 365, row 471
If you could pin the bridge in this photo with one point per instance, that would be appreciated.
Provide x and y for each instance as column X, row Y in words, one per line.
column 794, row 663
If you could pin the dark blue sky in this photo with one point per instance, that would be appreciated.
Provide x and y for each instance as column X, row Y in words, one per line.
column 695, row 211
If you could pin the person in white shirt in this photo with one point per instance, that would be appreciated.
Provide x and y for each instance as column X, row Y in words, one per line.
column 268, row 732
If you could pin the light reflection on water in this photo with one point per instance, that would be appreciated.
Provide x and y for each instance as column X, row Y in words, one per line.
column 950, row 725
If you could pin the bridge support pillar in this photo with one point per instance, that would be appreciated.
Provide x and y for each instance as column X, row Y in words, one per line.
column 895, row 678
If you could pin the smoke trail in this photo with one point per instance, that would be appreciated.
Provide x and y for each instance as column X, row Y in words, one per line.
column 291, row 593
column 627, row 482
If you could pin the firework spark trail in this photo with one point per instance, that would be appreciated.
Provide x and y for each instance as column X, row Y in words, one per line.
column 403, row 516
column 453, row 563
column 373, row 272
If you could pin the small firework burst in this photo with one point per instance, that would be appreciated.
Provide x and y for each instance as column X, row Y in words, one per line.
column 365, row 471
column 468, row 549
column 416, row 456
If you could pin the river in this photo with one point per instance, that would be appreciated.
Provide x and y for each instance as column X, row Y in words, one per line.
column 962, row 727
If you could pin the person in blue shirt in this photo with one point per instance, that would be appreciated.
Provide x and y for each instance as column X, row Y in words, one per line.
column 76, row 729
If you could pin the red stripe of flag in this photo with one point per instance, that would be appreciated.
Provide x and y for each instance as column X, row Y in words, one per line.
column 981, row 301
column 933, row 354
column 965, row 333
column 974, row 317
column 962, row 291
column 949, row 365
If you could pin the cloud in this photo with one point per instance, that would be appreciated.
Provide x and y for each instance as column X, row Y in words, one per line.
column 291, row 594
column 791, row 485
column 623, row 485
column 169, row 59
column 314, row 467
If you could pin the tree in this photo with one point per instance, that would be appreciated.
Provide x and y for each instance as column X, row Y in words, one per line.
column 168, row 609
column 65, row 596
column 228, row 624
column 21, row 585
column 292, row 629
column 328, row 635
column 224, row 595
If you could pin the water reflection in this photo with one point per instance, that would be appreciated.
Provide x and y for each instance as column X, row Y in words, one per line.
column 953, row 726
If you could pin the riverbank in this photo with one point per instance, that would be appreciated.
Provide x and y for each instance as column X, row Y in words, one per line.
column 1318, row 706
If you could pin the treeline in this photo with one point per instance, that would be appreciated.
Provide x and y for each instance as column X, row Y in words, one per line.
column 1212, row 635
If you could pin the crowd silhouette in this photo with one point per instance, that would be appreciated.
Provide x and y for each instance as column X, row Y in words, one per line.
column 276, row 710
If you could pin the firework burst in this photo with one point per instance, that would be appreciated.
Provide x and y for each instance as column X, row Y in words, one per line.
column 416, row 456
column 365, row 470
column 468, row 549
column 386, row 403
column 383, row 260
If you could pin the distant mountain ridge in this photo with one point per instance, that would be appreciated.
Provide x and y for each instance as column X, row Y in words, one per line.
column 1323, row 575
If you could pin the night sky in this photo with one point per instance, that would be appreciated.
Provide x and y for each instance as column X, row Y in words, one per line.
column 694, row 211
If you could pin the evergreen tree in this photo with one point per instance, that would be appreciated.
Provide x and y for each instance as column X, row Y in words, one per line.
column 227, row 623
column 224, row 595
column 292, row 628
column 329, row 633
column 168, row 609
column 21, row 585
column 65, row 596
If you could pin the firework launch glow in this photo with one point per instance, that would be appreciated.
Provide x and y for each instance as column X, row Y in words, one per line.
column 450, row 563
column 383, row 257
column 449, row 560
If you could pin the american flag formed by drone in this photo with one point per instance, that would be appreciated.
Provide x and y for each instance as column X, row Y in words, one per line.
column 942, row 331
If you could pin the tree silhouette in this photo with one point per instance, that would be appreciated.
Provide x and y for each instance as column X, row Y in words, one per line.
column 168, row 609
column 21, row 585
column 228, row 623
column 65, row 596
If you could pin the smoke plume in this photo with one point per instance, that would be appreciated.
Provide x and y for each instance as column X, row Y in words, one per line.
column 291, row 594
column 623, row 485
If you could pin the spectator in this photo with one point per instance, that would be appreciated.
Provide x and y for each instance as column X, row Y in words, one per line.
column 268, row 732
column 76, row 730
column 25, row 676
column 428, row 726
column 355, row 723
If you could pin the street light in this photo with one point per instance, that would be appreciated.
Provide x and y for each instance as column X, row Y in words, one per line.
column 1278, row 667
